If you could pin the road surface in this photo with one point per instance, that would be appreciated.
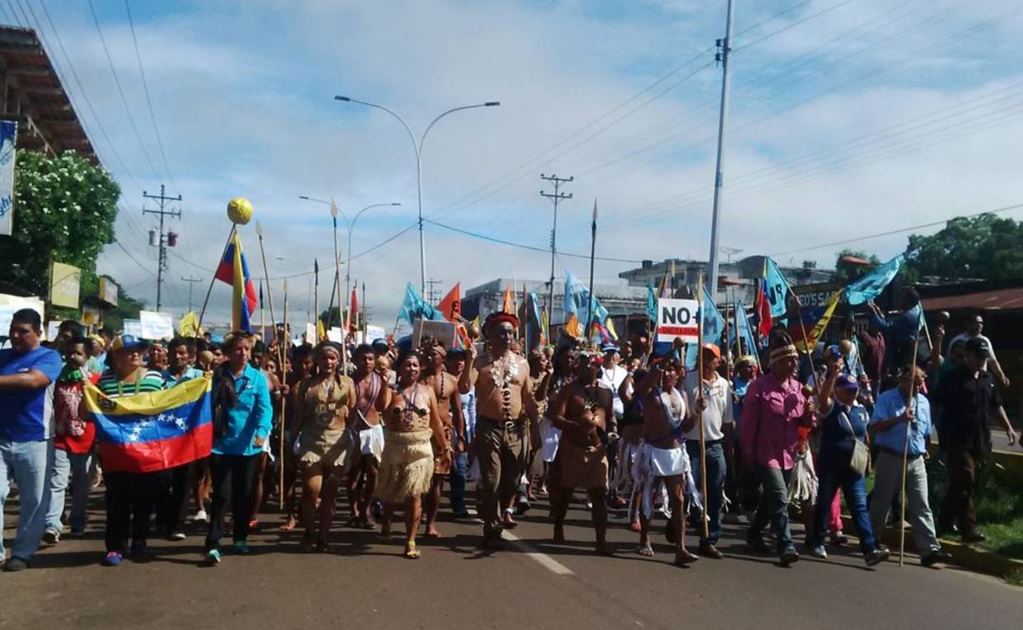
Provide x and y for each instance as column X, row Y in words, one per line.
column 535, row 584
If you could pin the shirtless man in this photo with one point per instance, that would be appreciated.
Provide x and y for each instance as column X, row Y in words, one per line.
column 504, row 398
column 449, row 404
column 663, row 457
column 372, row 396
column 581, row 410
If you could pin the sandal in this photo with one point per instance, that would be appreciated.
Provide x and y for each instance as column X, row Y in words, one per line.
column 645, row 550
column 685, row 557
column 411, row 552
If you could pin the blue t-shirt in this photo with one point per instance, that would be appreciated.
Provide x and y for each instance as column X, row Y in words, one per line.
column 835, row 434
column 26, row 415
column 892, row 404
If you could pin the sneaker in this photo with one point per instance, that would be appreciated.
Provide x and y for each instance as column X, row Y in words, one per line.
column 789, row 556
column 51, row 536
column 819, row 552
column 200, row 517
column 112, row 559
column 15, row 564
column 710, row 551
column 876, row 557
column 240, row 547
column 937, row 556
column 176, row 535
column 212, row 558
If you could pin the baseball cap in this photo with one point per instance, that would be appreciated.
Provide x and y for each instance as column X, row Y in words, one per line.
column 713, row 349
column 979, row 347
column 128, row 342
column 847, row 381
column 609, row 347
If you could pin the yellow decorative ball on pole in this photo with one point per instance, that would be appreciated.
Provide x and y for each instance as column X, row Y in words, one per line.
column 239, row 210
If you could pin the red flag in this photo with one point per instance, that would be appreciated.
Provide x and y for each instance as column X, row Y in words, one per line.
column 353, row 311
column 451, row 305
column 763, row 310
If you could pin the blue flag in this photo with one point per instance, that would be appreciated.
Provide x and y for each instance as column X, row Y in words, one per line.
column 415, row 307
column 777, row 287
column 744, row 329
column 713, row 328
column 576, row 298
column 651, row 303
column 871, row 285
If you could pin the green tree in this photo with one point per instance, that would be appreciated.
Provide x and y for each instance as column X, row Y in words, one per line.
column 64, row 211
column 984, row 247
column 846, row 272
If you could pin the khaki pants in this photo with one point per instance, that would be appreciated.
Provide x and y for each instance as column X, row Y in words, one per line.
column 498, row 448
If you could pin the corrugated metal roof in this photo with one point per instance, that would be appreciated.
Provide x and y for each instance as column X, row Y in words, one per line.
column 998, row 300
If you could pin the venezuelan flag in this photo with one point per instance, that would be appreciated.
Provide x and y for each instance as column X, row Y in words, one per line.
column 234, row 271
column 153, row 431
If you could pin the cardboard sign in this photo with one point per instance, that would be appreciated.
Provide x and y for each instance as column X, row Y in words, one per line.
column 677, row 319
column 443, row 332
column 156, row 325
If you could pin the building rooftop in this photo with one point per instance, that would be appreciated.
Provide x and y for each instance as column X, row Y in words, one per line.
column 34, row 96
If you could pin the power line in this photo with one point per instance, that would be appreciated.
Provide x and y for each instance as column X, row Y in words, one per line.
column 527, row 247
column 793, row 24
column 120, row 89
column 135, row 260
column 149, row 101
column 1017, row 206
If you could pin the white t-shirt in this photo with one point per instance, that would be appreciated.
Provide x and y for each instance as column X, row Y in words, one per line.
column 719, row 407
column 612, row 378
column 964, row 337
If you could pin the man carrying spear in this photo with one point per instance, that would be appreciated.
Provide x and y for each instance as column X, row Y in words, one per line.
column 713, row 407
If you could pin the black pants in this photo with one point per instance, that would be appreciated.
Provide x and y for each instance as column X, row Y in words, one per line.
column 173, row 508
column 233, row 480
column 131, row 499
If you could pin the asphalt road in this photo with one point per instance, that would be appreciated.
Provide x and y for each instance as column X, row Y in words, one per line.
column 535, row 584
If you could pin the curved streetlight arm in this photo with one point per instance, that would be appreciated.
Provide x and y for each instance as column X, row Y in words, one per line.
column 351, row 224
column 452, row 111
column 411, row 134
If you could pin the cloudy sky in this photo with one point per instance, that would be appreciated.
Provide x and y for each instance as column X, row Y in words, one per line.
column 848, row 119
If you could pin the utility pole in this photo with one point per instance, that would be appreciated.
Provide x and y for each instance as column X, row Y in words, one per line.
column 170, row 239
column 431, row 291
column 724, row 47
column 556, row 197
column 191, row 281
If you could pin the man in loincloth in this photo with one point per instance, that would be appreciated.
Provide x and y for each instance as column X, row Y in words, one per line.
column 372, row 396
column 504, row 399
column 449, row 404
column 662, row 457
column 582, row 411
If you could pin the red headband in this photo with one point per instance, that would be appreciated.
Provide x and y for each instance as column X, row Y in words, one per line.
column 499, row 317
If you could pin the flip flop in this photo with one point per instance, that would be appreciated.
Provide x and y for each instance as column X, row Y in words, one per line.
column 411, row 552
column 646, row 551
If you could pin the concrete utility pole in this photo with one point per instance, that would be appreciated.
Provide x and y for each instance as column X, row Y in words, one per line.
column 170, row 239
column 556, row 197
column 724, row 51
column 191, row 281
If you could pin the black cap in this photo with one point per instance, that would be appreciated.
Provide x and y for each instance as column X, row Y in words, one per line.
column 978, row 347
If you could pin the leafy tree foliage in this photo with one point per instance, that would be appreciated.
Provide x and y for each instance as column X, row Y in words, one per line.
column 983, row 247
column 64, row 211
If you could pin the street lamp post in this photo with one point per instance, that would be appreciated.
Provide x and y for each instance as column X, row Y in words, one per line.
column 350, row 227
column 417, row 145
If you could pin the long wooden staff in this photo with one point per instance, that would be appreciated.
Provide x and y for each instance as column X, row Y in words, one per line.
column 206, row 301
column 700, row 396
column 905, row 448
column 284, row 401
column 269, row 289
column 337, row 282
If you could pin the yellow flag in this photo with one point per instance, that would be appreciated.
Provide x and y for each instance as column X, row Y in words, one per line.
column 188, row 325
column 321, row 332
column 822, row 323
column 572, row 326
column 610, row 325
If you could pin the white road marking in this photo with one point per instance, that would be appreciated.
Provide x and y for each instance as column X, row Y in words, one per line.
column 545, row 561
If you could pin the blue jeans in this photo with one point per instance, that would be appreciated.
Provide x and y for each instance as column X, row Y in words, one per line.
column 459, row 470
column 773, row 507
column 74, row 467
column 28, row 464
column 834, row 473
column 715, row 485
